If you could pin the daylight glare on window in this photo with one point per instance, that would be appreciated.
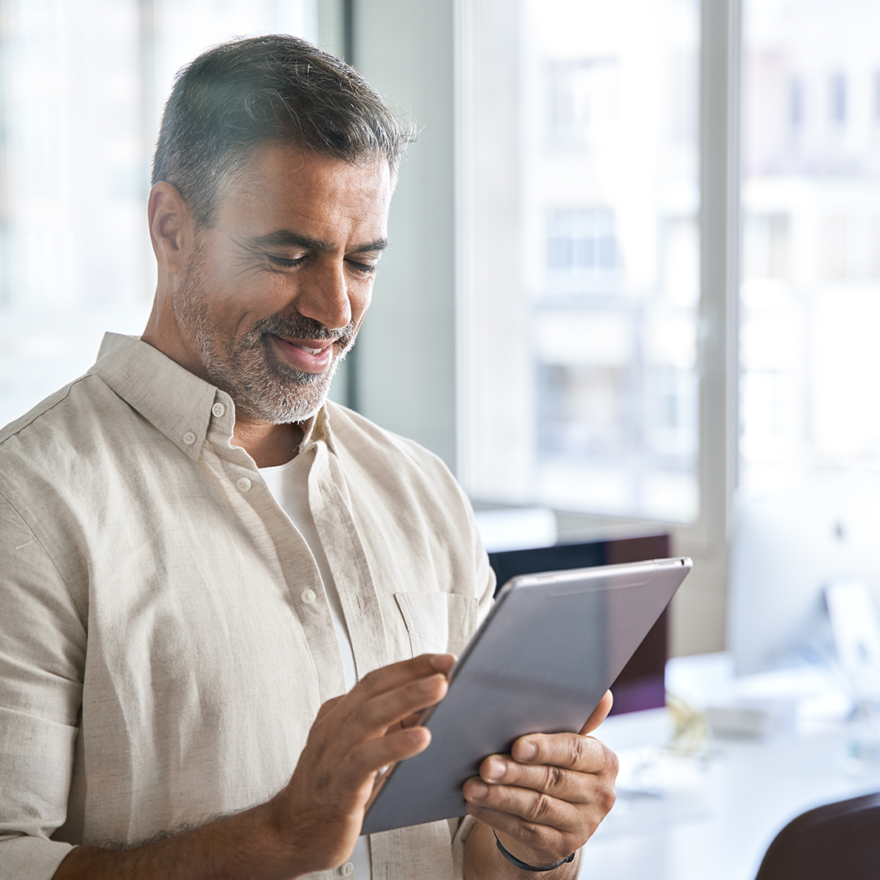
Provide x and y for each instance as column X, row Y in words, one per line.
column 580, row 155
column 810, row 296
column 83, row 85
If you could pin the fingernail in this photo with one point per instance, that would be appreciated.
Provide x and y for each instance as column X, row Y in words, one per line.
column 495, row 770
column 478, row 790
column 526, row 750
column 442, row 662
column 417, row 734
column 430, row 684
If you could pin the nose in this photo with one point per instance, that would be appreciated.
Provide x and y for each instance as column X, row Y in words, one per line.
column 324, row 295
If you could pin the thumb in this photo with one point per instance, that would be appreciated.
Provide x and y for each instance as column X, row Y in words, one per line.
column 600, row 713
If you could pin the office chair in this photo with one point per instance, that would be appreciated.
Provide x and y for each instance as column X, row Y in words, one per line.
column 839, row 841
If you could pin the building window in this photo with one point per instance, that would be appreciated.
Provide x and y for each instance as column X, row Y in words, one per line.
column 838, row 99
column 796, row 103
column 582, row 252
column 876, row 96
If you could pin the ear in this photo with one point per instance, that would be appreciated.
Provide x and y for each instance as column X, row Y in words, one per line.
column 171, row 227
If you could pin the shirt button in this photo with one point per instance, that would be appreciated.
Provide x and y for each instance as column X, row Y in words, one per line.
column 309, row 597
column 189, row 438
column 244, row 484
column 218, row 409
column 347, row 869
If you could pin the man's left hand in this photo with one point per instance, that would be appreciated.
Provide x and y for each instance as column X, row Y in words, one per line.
column 546, row 798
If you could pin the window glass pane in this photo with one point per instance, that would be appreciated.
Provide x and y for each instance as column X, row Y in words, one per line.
column 82, row 87
column 580, row 249
column 810, row 296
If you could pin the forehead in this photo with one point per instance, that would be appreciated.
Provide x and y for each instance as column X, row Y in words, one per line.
column 287, row 187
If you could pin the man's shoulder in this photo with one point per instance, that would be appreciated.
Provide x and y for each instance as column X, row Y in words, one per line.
column 51, row 410
column 61, row 427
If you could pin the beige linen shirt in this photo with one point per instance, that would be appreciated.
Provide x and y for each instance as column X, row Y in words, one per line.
column 165, row 637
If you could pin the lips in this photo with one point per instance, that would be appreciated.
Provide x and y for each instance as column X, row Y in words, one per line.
column 307, row 355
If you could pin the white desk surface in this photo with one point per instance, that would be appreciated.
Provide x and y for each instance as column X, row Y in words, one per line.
column 712, row 817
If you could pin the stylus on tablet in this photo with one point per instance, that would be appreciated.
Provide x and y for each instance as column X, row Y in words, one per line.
column 542, row 659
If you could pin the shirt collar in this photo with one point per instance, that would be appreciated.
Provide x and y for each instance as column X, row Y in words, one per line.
column 177, row 402
column 317, row 428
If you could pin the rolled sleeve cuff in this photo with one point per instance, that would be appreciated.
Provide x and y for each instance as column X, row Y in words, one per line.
column 31, row 858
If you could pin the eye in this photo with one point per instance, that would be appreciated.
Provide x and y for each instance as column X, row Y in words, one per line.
column 362, row 268
column 285, row 262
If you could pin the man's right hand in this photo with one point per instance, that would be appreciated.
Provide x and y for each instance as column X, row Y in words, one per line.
column 322, row 809
column 313, row 823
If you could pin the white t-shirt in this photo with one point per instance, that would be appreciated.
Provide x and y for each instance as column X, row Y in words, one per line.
column 289, row 484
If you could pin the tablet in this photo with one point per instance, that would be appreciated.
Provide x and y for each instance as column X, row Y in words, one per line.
column 542, row 659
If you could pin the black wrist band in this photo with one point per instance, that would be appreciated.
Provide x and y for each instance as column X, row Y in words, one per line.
column 517, row 863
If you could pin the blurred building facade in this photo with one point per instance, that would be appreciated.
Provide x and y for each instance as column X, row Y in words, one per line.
column 584, row 388
column 810, row 299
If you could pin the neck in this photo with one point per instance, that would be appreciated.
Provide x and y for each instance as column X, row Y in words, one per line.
column 268, row 445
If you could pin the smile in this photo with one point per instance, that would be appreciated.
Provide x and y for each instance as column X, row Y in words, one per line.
column 305, row 358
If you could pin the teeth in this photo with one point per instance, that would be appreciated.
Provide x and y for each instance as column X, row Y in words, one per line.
column 312, row 350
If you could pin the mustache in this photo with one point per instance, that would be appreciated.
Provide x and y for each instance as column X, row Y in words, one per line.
column 299, row 327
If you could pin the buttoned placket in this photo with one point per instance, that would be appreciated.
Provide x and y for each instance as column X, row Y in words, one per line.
column 278, row 538
column 348, row 560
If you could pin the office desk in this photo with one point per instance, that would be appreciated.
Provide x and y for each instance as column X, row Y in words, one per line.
column 711, row 815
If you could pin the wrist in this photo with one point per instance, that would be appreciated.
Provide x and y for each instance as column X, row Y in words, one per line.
column 525, row 866
column 278, row 838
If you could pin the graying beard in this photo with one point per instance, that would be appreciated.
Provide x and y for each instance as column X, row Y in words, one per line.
column 279, row 396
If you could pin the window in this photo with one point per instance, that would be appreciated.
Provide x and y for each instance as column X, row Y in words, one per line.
column 796, row 103
column 582, row 251
column 582, row 390
column 837, row 90
column 876, row 97
column 810, row 296
column 83, row 87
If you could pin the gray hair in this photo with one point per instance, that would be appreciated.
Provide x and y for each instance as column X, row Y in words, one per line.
column 240, row 95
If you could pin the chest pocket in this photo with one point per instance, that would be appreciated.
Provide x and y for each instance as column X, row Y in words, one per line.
column 438, row 623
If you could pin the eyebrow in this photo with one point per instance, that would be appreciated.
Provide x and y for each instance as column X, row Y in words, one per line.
column 288, row 238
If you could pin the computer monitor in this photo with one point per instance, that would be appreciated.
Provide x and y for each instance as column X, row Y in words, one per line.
column 641, row 684
column 786, row 547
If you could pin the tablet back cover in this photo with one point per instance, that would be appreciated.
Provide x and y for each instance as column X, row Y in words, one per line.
column 540, row 663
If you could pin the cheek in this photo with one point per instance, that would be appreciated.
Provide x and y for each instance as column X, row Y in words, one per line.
column 238, row 304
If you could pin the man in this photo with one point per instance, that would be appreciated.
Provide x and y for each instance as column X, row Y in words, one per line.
column 213, row 579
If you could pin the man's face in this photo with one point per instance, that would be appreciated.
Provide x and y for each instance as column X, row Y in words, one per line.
column 276, row 289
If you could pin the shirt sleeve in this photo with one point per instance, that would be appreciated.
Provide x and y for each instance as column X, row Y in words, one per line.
column 42, row 653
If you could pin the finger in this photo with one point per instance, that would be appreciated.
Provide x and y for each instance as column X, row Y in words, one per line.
column 368, row 719
column 369, row 758
column 328, row 707
column 567, row 785
column 545, row 823
column 351, row 785
column 382, row 680
column 506, row 808
column 571, row 751
column 599, row 714
column 395, row 675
